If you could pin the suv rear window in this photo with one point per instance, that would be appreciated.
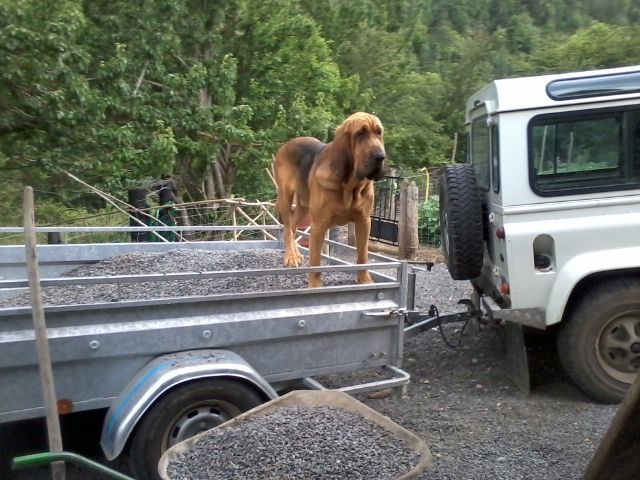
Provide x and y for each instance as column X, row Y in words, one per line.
column 587, row 151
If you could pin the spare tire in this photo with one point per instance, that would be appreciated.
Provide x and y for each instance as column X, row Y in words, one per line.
column 461, row 223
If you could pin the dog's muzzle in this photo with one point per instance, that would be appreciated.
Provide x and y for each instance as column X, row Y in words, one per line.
column 375, row 166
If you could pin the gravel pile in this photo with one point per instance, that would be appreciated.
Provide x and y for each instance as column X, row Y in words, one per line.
column 176, row 261
column 294, row 443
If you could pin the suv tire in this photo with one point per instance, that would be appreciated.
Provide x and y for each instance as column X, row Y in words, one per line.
column 461, row 221
column 599, row 345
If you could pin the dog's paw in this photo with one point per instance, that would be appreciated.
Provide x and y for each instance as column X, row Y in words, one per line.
column 293, row 260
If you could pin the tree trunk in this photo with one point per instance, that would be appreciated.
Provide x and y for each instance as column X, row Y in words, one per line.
column 212, row 167
column 184, row 217
column 219, row 179
column 209, row 184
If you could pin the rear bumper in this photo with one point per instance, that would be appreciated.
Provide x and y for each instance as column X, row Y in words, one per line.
column 528, row 317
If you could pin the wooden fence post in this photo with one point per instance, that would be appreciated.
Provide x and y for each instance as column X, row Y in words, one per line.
column 412, row 221
column 408, row 221
column 402, row 220
column 40, row 330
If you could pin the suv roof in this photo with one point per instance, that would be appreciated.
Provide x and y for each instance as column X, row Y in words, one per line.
column 547, row 91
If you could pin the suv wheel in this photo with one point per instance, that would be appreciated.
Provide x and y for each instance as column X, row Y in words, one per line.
column 461, row 221
column 599, row 345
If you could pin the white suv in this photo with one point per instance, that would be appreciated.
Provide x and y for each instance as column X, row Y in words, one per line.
column 544, row 219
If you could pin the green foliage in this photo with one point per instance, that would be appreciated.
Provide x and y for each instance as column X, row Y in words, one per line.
column 598, row 46
column 121, row 92
column 429, row 221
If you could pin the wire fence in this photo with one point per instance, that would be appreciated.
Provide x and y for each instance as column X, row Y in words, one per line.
column 154, row 210
column 235, row 219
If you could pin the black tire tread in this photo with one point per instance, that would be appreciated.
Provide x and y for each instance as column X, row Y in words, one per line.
column 460, row 197
column 573, row 338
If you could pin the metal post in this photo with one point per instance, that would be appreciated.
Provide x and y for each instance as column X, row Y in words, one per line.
column 411, row 290
column 53, row 238
column 138, row 200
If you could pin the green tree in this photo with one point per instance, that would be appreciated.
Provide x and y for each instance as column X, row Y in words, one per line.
column 170, row 84
column 119, row 92
column 287, row 75
column 231, row 83
column 45, row 97
column 599, row 46
column 375, row 43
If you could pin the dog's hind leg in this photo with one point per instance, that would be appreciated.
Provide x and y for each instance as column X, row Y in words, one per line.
column 290, row 219
column 298, row 214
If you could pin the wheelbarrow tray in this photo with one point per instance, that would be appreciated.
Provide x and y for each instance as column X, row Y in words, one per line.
column 316, row 398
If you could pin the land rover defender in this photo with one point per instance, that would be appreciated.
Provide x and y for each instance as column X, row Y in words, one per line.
column 544, row 217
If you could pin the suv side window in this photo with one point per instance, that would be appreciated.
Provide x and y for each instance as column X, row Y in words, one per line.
column 584, row 152
column 480, row 157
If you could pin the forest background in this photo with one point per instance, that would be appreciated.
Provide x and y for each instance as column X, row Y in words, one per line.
column 204, row 91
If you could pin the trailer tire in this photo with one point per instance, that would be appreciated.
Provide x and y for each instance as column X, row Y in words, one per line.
column 461, row 221
column 599, row 344
column 183, row 412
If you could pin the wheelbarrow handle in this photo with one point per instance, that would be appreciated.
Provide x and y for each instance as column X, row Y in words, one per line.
column 40, row 459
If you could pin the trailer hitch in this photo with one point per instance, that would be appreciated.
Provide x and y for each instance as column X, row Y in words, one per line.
column 417, row 322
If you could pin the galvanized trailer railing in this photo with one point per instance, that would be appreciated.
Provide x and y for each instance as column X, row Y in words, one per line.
column 130, row 355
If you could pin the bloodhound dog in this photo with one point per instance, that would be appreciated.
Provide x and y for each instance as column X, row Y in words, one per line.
column 332, row 182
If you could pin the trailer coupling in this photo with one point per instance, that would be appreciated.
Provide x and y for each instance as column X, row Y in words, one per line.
column 515, row 360
column 417, row 322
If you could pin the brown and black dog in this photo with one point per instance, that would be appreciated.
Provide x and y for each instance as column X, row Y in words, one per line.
column 334, row 183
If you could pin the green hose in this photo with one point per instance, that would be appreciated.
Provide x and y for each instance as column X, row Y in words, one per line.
column 40, row 459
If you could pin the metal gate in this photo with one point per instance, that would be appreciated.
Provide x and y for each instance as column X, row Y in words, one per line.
column 385, row 215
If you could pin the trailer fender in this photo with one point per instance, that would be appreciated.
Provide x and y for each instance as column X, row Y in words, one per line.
column 164, row 373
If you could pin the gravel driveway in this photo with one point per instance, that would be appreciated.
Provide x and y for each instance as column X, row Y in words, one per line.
column 477, row 425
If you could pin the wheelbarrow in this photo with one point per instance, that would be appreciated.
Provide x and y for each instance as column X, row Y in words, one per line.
column 316, row 398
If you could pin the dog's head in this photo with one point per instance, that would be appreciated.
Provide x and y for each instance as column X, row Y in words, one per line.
column 361, row 134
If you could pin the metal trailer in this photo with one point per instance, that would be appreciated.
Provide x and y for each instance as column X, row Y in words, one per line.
column 156, row 364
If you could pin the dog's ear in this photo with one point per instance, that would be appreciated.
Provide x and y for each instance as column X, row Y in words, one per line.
column 342, row 156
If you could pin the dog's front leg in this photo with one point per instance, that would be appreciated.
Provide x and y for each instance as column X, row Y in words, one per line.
column 318, row 231
column 363, row 228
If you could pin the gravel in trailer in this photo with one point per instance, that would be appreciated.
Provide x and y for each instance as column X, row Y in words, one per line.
column 304, row 434
column 170, row 336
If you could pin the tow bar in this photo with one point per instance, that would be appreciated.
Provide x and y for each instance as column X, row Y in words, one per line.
column 417, row 322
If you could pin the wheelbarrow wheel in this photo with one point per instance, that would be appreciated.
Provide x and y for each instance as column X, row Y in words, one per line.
column 182, row 413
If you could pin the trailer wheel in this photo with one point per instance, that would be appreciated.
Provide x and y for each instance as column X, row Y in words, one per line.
column 599, row 345
column 182, row 413
column 461, row 221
